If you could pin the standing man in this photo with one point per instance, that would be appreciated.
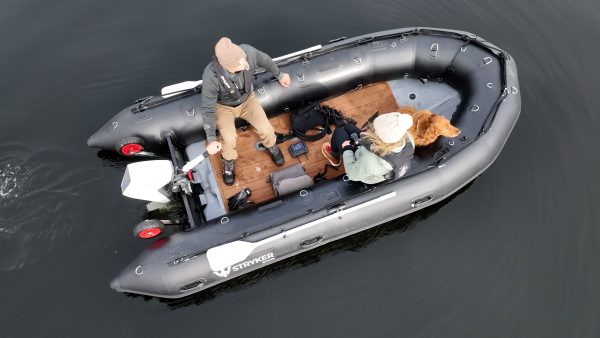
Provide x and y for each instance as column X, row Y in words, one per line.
column 227, row 93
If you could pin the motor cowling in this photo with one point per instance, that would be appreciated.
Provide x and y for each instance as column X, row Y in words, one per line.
column 148, row 181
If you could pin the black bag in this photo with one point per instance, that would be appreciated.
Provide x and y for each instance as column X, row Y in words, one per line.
column 311, row 117
column 314, row 117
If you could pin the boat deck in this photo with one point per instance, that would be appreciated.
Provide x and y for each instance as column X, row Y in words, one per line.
column 253, row 167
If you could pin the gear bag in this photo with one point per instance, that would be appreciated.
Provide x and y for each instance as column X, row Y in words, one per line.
column 316, row 118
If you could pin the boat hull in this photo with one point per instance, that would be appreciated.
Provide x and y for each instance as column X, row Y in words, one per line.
column 182, row 264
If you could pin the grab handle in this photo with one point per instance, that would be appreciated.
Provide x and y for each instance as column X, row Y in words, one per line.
column 418, row 201
column 433, row 52
column 311, row 241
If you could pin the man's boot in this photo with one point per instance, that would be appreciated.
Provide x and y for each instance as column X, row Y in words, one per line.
column 276, row 155
column 228, row 171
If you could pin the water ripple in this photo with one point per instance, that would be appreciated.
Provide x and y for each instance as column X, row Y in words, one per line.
column 13, row 175
column 41, row 202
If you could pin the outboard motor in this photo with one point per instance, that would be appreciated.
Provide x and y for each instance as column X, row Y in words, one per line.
column 149, row 181
column 160, row 182
column 154, row 181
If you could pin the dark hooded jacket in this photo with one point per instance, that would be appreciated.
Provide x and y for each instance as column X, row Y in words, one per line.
column 214, row 90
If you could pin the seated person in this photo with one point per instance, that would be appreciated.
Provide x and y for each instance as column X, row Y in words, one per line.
column 382, row 152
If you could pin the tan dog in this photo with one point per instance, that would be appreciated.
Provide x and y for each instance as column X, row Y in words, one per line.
column 427, row 126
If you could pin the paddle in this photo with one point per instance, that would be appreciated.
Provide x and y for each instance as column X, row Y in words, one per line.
column 187, row 85
column 194, row 162
column 226, row 255
column 179, row 87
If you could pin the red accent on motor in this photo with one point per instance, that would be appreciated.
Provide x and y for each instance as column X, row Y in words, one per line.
column 149, row 233
column 190, row 175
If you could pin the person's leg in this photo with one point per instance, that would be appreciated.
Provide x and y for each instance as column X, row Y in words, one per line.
column 254, row 113
column 352, row 129
column 225, row 118
column 339, row 136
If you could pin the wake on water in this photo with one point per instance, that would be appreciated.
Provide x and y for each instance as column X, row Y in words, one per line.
column 33, row 185
column 11, row 178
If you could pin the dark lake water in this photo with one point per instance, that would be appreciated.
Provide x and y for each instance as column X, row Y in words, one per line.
column 515, row 254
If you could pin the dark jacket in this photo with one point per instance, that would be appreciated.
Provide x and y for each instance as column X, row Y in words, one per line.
column 214, row 91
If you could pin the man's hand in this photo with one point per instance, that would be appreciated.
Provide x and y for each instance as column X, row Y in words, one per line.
column 213, row 147
column 285, row 80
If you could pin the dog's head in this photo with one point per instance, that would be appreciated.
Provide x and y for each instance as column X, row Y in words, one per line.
column 442, row 126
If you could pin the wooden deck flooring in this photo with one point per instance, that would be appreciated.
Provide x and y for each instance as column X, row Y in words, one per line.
column 253, row 167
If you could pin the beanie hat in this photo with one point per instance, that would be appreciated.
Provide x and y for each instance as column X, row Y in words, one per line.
column 229, row 54
column 391, row 127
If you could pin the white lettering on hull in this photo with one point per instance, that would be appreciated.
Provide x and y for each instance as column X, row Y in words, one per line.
column 246, row 264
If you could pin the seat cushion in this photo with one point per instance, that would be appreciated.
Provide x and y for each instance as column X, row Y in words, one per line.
column 290, row 179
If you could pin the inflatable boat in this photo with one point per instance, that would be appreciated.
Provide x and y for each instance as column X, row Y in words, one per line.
column 452, row 73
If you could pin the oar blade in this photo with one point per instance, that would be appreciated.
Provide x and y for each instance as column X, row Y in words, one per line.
column 226, row 255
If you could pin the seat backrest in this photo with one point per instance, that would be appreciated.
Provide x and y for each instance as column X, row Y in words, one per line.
column 290, row 179
column 204, row 174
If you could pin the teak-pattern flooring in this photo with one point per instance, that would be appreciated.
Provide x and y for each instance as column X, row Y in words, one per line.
column 252, row 168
